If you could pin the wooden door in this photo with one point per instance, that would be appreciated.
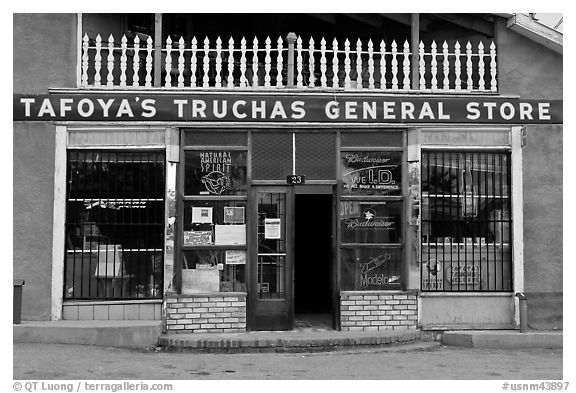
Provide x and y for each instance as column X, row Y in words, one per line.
column 271, row 273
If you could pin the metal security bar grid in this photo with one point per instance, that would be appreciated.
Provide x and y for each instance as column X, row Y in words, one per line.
column 114, row 225
column 466, row 221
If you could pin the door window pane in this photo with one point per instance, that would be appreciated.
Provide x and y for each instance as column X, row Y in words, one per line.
column 271, row 245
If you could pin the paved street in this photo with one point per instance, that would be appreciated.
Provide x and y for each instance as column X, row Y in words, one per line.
column 411, row 362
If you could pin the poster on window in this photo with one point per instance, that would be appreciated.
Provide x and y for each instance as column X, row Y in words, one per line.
column 233, row 215
column 433, row 276
column 230, row 235
column 465, row 274
column 197, row 238
column 201, row 215
column 272, row 228
column 371, row 173
column 235, row 257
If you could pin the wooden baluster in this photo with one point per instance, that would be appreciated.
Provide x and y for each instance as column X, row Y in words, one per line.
column 148, row 78
column 422, row 66
column 493, row 81
column 299, row 63
column 370, row 65
column 312, row 79
column 231, row 63
column 434, row 67
column 406, row 64
column 382, row 65
column 481, row 84
column 347, row 65
column 218, row 62
column 279, row 62
column 323, row 63
column 110, row 76
column 194, row 63
column 394, row 66
column 446, row 66
column 206, row 62
column 457, row 66
column 123, row 60
column 181, row 62
column 84, row 76
column 255, row 63
column 267, row 62
column 243, row 79
column 335, row 66
column 168, row 63
column 136, row 62
column 359, row 83
column 469, row 65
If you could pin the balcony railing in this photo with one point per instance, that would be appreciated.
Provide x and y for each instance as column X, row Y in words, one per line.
column 289, row 64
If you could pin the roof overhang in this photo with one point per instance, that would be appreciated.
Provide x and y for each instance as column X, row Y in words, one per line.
column 544, row 35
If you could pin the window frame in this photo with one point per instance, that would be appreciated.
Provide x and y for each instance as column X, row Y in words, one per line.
column 401, row 197
column 475, row 242
column 183, row 199
column 159, row 156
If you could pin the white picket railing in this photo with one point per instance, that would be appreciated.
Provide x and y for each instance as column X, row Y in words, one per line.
column 329, row 65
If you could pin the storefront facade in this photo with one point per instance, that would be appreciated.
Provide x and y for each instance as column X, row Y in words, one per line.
column 226, row 208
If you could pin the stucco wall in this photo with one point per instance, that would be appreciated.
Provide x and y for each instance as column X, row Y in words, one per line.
column 526, row 68
column 532, row 71
column 33, row 205
column 48, row 60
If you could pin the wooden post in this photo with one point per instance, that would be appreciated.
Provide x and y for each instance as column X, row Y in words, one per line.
column 291, row 39
column 158, row 50
column 415, row 45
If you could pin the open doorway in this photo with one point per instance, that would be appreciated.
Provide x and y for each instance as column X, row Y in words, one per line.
column 313, row 260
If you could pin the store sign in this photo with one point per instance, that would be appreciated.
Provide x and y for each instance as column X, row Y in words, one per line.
column 374, row 273
column 369, row 220
column 372, row 173
column 245, row 107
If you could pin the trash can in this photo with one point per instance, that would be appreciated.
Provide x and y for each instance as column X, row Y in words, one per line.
column 17, row 307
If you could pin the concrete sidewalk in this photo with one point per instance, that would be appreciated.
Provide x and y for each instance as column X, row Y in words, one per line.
column 148, row 334
column 122, row 334
column 503, row 339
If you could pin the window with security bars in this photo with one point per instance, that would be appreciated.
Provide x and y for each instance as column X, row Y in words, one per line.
column 466, row 221
column 114, row 225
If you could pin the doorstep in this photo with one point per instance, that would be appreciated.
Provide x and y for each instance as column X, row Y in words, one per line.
column 287, row 341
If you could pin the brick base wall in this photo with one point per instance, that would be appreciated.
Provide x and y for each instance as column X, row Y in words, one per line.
column 224, row 313
column 375, row 310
